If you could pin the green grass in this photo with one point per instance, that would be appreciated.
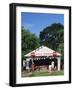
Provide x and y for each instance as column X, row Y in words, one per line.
column 43, row 73
column 55, row 73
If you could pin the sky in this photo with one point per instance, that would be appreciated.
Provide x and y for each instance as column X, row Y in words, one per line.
column 36, row 22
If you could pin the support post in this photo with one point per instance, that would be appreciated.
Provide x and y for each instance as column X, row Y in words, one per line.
column 59, row 63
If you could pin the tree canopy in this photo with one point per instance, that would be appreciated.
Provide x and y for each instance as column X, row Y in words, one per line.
column 53, row 36
column 29, row 41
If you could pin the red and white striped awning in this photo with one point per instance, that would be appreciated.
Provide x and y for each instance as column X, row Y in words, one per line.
column 43, row 51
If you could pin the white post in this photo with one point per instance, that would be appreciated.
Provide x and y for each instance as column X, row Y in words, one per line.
column 27, row 63
column 59, row 63
column 52, row 64
column 50, row 68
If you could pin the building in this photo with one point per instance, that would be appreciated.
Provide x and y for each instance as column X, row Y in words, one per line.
column 41, row 55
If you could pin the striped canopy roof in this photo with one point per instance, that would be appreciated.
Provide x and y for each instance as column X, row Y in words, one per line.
column 43, row 51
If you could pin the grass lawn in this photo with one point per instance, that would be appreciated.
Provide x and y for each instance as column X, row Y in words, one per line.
column 54, row 73
column 44, row 73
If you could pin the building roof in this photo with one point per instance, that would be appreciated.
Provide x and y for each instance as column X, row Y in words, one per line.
column 43, row 51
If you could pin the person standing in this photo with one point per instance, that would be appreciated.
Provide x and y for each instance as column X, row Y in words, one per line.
column 24, row 65
column 30, row 64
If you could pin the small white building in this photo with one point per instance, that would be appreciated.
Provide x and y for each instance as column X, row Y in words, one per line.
column 44, row 52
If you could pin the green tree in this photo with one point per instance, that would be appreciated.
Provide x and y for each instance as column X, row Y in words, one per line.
column 53, row 36
column 29, row 41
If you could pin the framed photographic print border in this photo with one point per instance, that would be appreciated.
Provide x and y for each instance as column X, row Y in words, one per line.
column 12, row 78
